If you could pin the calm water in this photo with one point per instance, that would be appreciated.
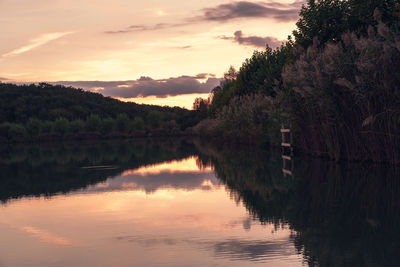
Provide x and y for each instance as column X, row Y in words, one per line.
column 187, row 203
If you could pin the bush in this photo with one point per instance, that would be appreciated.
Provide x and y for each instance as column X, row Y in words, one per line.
column 4, row 129
column 93, row 123
column 107, row 126
column 154, row 119
column 138, row 124
column 246, row 119
column 47, row 126
column 61, row 126
column 122, row 122
column 17, row 132
column 34, row 127
column 76, row 126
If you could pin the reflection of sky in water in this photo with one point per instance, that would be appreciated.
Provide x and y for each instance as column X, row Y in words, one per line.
column 178, row 175
column 169, row 214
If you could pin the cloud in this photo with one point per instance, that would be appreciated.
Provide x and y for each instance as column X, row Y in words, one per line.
column 255, row 41
column 146, row 86
column 48, row 237
column 281, row 12
column 183, row 47
column 3, row 79
column 142, row 28
column 39, row 41
column 245, row 9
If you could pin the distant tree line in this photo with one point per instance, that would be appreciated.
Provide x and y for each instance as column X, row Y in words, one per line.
column 336, row 83
column 47, row 112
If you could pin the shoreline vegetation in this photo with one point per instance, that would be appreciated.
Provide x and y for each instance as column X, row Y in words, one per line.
column 335, row 83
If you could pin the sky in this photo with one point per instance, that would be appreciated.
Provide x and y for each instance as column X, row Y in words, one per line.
column 164, row 52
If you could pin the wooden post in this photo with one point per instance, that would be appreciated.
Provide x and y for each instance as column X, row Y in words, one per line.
column 287, row 143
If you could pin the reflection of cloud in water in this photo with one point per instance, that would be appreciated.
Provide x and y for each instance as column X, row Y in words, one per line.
column 184, row 174
column 151, row 183
column 229, row 248
column 48, row 237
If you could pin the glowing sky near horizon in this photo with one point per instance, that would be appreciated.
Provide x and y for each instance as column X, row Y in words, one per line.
column 124, row 40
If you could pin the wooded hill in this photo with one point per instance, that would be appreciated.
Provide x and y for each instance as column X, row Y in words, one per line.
column 30, row 111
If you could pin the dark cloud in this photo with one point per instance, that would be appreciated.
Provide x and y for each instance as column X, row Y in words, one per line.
column 146, row 86
column 255, row 41
column 3, row 79
column 226, row 12
column 245, row 9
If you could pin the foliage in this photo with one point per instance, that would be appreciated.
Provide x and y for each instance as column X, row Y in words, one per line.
column 34, row 126
column 347, row 97
column 154, row 119
column 77, row 126
column 61, row 126
column 122, row 123
column 337, row 84
column 246, row 119
column 93, row 122
column 259, row 74
column 45, row 102
column 328, row 20
column 138, row 123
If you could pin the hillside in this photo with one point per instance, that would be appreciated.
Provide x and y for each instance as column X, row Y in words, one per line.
column 30, row 111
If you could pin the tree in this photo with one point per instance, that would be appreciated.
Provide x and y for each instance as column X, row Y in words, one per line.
column 328, row 20
column 122, row 122
column 93, row 122
column 107, row 125
column 34, row 126
column 154, row 118
column 138, row 123
column 61, row 126
column 230, row 74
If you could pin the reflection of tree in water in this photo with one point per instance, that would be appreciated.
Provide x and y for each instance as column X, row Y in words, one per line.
column 342, row 215
column 36, row 171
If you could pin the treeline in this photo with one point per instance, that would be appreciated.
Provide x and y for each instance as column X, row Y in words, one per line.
column 46, row 112
column 336, row 84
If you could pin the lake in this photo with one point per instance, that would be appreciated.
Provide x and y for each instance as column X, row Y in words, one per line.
column 192, row 203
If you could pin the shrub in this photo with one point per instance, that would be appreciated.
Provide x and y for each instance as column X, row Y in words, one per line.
column 346, row 101
column 61, row 126
column 17, row 132
column 122, row 122
column 107, row 126
column 47, row 126
column 76, row 126
column 245, row 119
column 34, row 126
column 93, row 122
column 154, row 119
column 138, row 123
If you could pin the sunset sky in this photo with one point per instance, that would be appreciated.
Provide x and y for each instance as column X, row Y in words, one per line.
column 163, row 52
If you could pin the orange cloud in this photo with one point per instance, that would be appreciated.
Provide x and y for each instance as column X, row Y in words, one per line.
column 39, row 41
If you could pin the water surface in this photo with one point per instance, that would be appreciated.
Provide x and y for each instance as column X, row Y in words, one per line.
column 187, row 203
